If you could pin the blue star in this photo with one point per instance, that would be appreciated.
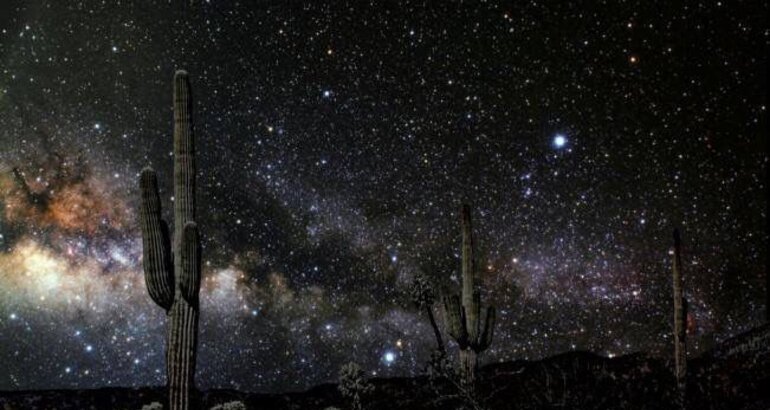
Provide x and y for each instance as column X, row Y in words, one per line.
column 559, row 140
column 389, row 357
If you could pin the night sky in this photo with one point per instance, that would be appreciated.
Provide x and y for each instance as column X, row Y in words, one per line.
column 336, row 144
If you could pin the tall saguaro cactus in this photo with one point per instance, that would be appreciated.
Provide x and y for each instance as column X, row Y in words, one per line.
column 680, row 321
column 173, row 279
column 463, row 316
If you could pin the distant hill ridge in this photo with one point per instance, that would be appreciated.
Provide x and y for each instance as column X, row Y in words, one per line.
column 755, row 340
column 733, row 375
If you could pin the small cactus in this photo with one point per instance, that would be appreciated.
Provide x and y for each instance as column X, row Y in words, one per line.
column 353, row 385
column 173, row 279
column 424, row 297
column 463, row 316
column 232, row 405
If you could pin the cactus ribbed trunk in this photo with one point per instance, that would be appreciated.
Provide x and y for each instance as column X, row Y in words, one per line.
column 469, row 361
column 180, row 354
column 468, row 358
column 183, row 334
column 468, row 271
column 184, row 159
column 680, row 321
column 175, row 288
column 463, row 314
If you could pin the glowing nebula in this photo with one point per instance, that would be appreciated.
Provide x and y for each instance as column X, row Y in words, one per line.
column 33, row 274
column 64, row 196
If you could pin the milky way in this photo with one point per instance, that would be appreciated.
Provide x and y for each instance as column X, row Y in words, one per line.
column 336, row 145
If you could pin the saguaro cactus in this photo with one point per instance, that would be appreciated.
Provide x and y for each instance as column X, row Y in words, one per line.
column 463, row 320
column 173, row 279
column 680, row 321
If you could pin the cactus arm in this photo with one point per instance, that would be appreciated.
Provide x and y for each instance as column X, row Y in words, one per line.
column 455, row 319
column 190, row 277
column 155, row 243
column 464, row 336
column 489, row 330
column 452, row 315
column 475, row 323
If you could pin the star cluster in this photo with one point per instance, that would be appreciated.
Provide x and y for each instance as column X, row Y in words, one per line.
column 336, row 143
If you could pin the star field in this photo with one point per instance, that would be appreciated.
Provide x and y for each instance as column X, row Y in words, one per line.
column 336, row 143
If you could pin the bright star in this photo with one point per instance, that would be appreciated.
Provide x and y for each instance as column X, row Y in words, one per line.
column 389, row 357
column 559, row 141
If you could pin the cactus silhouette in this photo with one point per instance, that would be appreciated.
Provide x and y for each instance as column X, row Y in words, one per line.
column 173, row 276
column 463, row 316
column 424, row 297
column 680, row 321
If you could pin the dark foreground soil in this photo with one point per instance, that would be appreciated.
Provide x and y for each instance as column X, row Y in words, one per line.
column 735, row 375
